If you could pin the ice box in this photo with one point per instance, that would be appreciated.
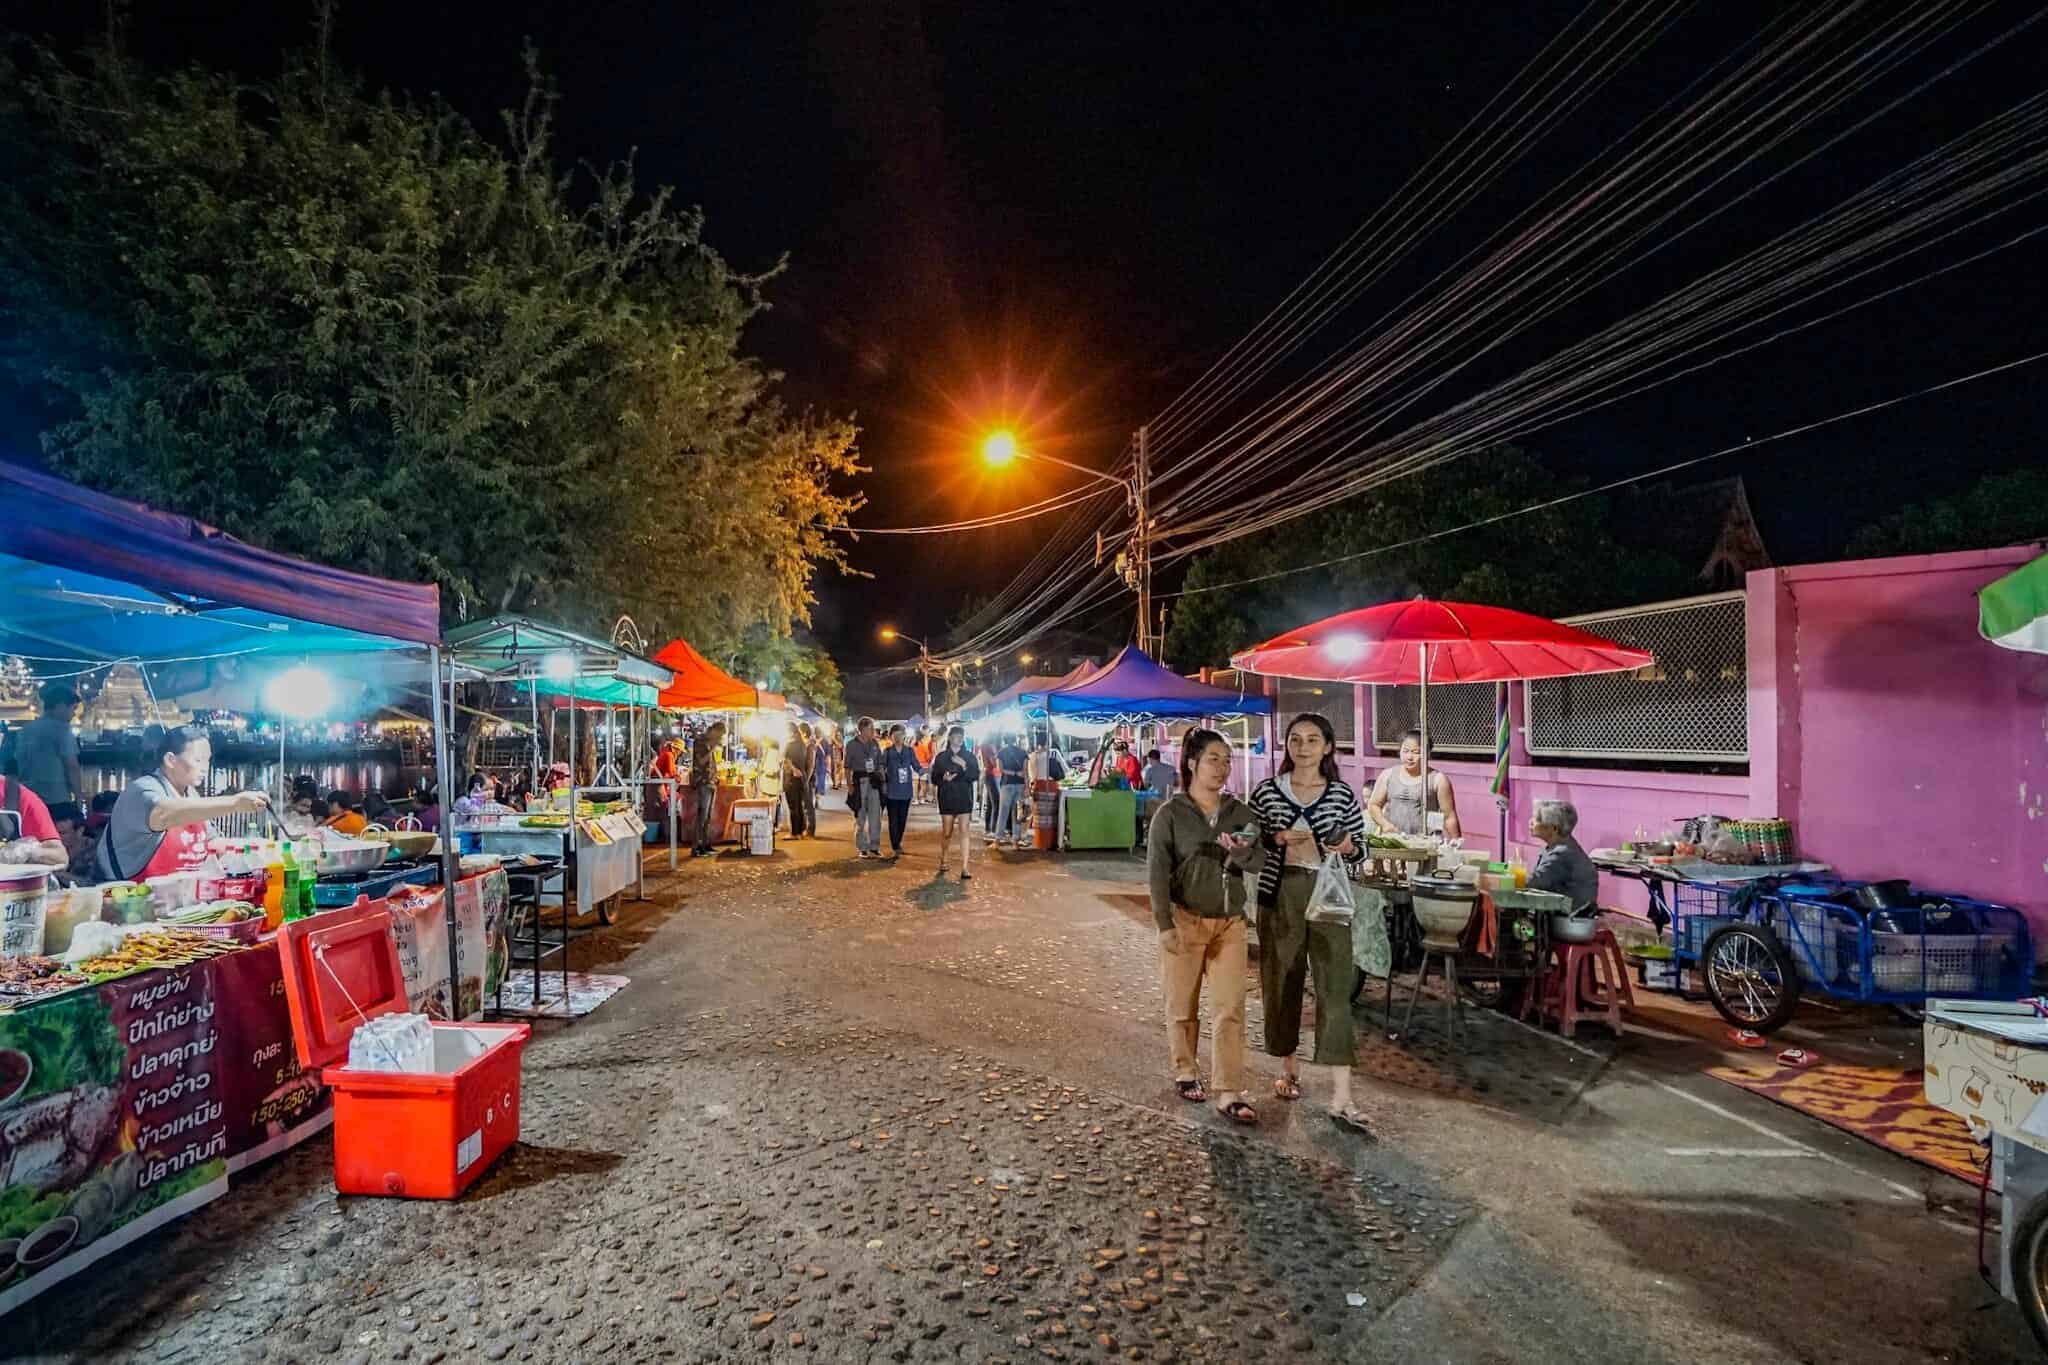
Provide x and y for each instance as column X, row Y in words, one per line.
column 416, row 1136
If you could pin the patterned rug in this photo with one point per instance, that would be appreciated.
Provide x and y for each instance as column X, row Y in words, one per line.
column 1882, row 1105
column 586, row 993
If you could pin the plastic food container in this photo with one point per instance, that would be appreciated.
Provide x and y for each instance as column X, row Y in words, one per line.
column 24, row 896
column 411, row 1135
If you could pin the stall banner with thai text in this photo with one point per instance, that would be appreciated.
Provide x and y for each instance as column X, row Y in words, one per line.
column 121, row 1124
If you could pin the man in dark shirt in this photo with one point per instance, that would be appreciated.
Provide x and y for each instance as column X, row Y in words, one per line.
column 796, row 768
column 1014, row 825
column 704, row 785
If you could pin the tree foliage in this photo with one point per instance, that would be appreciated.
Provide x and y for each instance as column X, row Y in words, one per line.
column 1554, row 562
column 794, row 666
column 352, row 327
column 2009, row 508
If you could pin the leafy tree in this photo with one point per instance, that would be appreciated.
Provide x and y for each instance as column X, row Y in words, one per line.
column 2009, row 508
column 794, row 666
column 350, row 326
column 1554, row 562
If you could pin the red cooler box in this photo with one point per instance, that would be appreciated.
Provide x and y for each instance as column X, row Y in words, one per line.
column 417, row 1136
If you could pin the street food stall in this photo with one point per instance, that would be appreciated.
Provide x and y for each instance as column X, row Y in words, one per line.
column 1477, row 919
column 702, row 689
column 144, row 1063
column 1131, row 689
column 598, row 861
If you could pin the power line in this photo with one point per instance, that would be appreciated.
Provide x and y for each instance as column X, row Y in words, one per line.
column 1747, row 443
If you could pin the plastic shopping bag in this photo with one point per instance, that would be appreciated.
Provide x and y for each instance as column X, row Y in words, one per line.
column 1372, row 951
column 1331, row 902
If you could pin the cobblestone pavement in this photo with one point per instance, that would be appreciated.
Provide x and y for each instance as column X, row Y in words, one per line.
column 846, row 1112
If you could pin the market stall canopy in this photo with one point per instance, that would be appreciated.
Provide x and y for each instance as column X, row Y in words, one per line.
column 590, row 693
column 1033, row 699
column 513, row 647
column 974, row 705
column 1461, row 643
column 700, row 685
column 90, row 578
column 1037, row 685
column 1134, row 687
column 2013, row 612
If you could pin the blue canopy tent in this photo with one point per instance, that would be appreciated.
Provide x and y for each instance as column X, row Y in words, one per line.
column 1132, row 687
column 88, row 580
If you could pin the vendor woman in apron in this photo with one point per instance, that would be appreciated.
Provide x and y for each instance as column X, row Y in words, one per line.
column 159, row 824
column 1396, row 803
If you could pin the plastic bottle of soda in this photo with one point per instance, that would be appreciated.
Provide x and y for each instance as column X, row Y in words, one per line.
column 309, row 873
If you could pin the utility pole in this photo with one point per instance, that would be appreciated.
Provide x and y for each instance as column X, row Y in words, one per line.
column 1141, row 553
column 924, row 666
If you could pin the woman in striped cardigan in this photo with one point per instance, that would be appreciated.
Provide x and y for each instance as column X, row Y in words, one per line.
column 1307, row 812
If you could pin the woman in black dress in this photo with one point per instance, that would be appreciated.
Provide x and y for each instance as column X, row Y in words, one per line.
column 954, row 773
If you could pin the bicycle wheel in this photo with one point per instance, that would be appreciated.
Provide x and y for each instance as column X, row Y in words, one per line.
column 1750, row 977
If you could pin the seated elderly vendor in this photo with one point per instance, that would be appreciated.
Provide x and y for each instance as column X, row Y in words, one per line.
column 1563, row 866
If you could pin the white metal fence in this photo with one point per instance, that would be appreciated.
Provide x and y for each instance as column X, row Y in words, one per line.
column 1691, row 706
column 1460, row 717
column 1296, row 696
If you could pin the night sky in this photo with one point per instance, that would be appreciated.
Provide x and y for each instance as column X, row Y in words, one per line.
column 1057, row 215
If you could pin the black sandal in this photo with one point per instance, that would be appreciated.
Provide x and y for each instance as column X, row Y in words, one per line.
column 1191, row 1091
column 1237, row 1111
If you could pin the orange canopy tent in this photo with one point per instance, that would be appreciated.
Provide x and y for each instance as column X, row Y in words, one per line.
column 701, row 685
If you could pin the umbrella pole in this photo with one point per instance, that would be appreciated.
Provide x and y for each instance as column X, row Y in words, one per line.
column 1424, row 727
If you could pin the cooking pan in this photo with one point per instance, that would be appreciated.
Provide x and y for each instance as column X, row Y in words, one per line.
column 351, row 855
column 410, row 843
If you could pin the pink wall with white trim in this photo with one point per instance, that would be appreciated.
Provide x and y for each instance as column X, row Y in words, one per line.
column 1897, row 742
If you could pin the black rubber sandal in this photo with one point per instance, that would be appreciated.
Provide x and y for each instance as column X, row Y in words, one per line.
column 1237, row 1111
column 1191, row 1091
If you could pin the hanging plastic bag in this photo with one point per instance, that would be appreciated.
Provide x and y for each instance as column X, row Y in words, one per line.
column 1372, row 950
column 1332, row 902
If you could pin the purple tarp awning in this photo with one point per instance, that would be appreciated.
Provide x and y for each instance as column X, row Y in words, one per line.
column 47, row 521
column 1132, row 686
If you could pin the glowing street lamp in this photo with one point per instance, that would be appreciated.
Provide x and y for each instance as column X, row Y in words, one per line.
column 999, row 448
column 924, row 663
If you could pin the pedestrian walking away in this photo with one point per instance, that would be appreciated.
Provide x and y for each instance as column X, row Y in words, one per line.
column 1202, row 842
column 799, row 762
column 991, row 786
column 864, row 789
column 1306, row 812
column 704, row 785
column 1014, row 824
column 900, row 774
column 955, row 775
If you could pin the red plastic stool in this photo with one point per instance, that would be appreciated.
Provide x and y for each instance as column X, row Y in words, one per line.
column 1584, row 981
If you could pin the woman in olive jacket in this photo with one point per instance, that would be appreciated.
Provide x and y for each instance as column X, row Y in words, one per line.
column 1201, row 843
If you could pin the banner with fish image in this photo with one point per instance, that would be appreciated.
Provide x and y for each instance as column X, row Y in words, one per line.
column 112, row 1121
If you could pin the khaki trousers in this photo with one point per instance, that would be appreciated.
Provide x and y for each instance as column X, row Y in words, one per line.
column 1212, row 950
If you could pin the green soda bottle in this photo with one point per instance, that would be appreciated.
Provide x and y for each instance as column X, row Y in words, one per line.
column 289, row 867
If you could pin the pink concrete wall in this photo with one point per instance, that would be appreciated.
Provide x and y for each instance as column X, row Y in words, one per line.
column 1897, row 742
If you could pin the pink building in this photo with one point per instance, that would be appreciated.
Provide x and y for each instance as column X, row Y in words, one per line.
column 1897, row 742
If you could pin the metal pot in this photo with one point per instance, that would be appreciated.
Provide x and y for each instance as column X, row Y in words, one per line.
column 1573, row 928
column 1443, row 908
column 1895, row 894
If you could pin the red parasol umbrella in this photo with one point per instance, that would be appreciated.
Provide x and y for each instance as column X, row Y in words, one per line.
column 1421, row 641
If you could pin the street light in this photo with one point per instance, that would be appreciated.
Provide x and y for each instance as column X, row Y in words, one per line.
column 1024, row 659
column 924, row 664
column 1000, row 448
